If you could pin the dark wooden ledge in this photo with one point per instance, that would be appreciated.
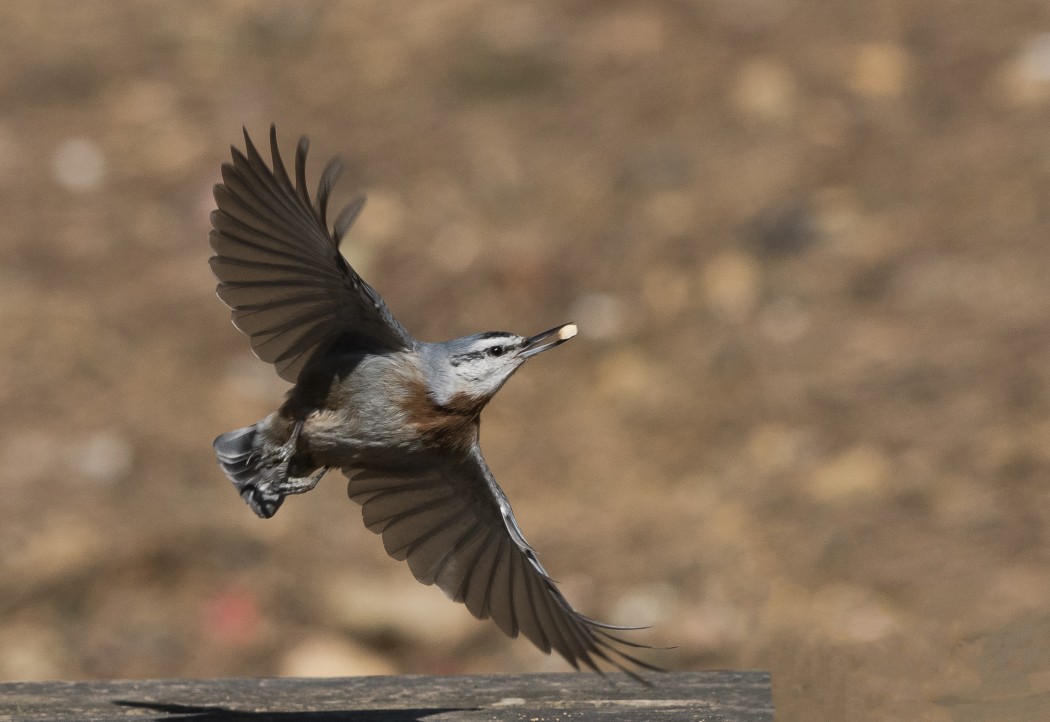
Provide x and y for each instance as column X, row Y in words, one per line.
column 723, row 696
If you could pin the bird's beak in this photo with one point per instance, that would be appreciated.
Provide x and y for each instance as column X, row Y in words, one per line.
column 547, row 339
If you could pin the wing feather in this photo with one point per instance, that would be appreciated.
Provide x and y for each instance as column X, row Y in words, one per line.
column 331, row 174
column 454, row 526
column 527, row 610
column 279, row 267
column 346, row 218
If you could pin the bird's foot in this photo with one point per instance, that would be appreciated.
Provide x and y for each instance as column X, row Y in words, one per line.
column 302, row 484
column 282, row 455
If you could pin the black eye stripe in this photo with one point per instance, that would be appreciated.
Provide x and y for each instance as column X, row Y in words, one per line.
column 464, row 357
column 495, row 350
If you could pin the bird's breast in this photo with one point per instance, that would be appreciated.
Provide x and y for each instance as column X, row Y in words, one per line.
column 451, row 426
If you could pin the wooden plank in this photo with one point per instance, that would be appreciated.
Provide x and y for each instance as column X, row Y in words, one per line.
column 714, row 696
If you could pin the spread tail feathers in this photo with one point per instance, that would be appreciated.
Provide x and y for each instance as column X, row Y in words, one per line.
column 241, row 457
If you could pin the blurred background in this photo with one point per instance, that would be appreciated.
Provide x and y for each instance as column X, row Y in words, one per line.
column 806, row 424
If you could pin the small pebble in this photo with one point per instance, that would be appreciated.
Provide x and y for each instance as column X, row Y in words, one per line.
column 78, row 164
column 104, row 457
column 326, row 657
column 879, row 70
column 851, row 613
column 399, row 606
column 857, row 473
column 31, row 652
column 731, row 284
column 1026, row 77
column 765, row 90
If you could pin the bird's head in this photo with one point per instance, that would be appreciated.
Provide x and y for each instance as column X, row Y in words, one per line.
column 472, row 369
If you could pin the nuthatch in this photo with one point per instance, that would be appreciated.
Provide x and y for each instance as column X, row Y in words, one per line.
column 399, row 417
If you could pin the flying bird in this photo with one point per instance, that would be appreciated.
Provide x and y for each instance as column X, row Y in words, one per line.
column 399, row 417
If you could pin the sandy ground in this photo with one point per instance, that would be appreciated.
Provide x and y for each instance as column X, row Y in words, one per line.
column 805, row 426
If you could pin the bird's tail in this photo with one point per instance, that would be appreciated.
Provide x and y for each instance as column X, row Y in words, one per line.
column 240, row 454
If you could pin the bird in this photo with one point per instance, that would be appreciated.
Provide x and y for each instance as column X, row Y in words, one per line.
column 398, row 416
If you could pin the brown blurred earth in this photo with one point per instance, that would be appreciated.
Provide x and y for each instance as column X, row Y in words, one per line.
column 805, row 427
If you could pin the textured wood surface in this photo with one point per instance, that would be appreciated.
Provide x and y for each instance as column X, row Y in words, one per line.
column 728, row 696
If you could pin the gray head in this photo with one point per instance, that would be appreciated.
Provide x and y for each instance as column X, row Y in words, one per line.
column 471, row 369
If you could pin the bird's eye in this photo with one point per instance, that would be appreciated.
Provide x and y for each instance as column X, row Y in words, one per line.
column 496, row 350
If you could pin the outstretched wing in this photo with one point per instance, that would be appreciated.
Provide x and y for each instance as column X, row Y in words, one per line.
column 280, row 269
column 454, row 526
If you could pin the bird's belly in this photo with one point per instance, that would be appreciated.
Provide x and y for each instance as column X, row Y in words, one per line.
column 343, row 440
